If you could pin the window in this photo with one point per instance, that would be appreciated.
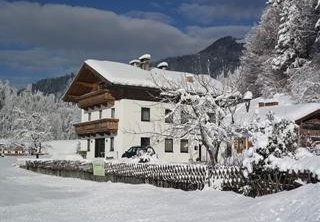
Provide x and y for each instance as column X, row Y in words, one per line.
column 100, row 85
column 168, row 145
column 88, row 145
column 111, row 144
column 145, row 141
column 100, row 114
column 145, row 114
column 168, row 116
column 89, row 116
column 212, row 117
column 240, row 144
column 184, row 117
column 184, row 146
column 113, row 112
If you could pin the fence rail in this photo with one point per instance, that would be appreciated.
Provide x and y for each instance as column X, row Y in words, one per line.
column 181, row 176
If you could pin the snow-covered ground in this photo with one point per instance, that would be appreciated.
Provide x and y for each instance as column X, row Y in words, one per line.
column 63, row 149
column 27, row 196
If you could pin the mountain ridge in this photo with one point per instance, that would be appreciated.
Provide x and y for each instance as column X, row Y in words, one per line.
column 221, row 56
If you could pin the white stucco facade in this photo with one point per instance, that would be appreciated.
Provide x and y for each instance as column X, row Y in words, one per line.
column 131, row 129
column 128, row 88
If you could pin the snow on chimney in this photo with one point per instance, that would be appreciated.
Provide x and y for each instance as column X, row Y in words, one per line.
column 135, row 62
column 189, row 78
column 163, row 65
column 145, row 61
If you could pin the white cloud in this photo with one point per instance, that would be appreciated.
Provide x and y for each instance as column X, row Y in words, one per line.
column 32, row 59
column 63, row 36
column 155, row 16
column 89, row 32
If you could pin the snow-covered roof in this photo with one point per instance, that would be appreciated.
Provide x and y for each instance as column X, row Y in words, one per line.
column 287, row 108
column 127, row 75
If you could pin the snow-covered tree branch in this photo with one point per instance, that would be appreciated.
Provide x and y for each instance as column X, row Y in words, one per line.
column 200, row 106
column 19, row 110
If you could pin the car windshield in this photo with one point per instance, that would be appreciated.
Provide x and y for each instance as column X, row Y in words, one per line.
column 132, row 149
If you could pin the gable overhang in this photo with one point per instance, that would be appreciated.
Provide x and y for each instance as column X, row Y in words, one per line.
column 85, row 82
column 311, row 115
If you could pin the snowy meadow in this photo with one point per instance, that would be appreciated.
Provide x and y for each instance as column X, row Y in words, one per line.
column 27, row 196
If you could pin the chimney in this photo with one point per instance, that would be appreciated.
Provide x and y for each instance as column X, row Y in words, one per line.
column 135, row 62
column 163, row 65
column 189, row 78
column 145, row 61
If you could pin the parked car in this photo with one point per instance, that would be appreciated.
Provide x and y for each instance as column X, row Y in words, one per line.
column 133, row 151
column 137, row 151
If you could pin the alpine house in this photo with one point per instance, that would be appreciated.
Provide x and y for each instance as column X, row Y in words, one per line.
column 121, row 107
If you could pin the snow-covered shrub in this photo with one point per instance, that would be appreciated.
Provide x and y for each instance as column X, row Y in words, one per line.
column 302, row 153
column 251, row 160
column 271, row 137
column 149, row 156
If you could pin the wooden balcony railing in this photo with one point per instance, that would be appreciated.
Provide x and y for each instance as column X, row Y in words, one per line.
column 311, row 133
column 100, row 97
column 101, row 126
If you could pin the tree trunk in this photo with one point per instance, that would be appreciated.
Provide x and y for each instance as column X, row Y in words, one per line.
column 205, row 142
column 217, row 145
column 212, row 159
column 40, row 148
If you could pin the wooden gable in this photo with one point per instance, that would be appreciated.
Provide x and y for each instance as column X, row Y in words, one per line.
column 309, row 128
column 312, row 117
column 88, row 84
column 87, row 81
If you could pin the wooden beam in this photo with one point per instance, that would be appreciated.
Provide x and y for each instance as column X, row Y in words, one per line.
column 73, row 98
column 85, row 84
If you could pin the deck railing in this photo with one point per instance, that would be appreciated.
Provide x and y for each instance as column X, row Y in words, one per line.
column 101, row 126
column 311, row 133
column 97, row 98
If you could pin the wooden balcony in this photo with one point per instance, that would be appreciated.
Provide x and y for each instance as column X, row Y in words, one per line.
column 311, row 133
column 97, row 98
column 101, row 126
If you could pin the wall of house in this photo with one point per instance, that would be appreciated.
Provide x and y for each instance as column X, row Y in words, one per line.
column 95, row 115
column 131, row 129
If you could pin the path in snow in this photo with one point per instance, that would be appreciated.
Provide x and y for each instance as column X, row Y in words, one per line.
column 27, row 196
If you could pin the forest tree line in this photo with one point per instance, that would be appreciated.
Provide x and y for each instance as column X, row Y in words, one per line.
column 28, row 116
column 282, row 53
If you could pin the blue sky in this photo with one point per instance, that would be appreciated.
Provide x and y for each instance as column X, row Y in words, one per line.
column 47, row 38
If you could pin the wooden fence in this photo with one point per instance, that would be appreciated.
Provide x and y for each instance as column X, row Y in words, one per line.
column 181, row 176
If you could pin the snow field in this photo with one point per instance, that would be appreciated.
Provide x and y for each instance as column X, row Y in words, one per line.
column 48, row 198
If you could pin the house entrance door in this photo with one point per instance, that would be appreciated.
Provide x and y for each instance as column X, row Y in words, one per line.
column 99, row 148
